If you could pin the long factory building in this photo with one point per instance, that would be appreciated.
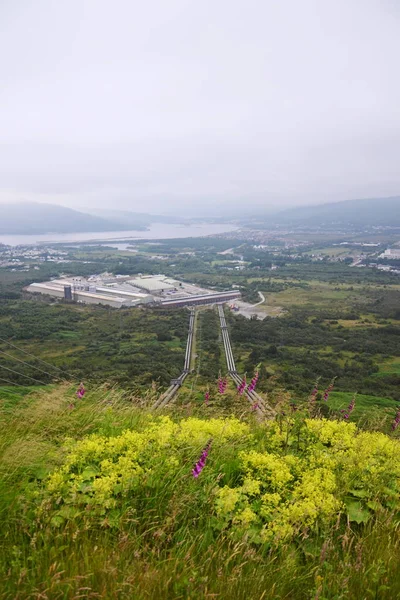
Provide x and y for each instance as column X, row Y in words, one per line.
column 129, row 293
column 115, row 297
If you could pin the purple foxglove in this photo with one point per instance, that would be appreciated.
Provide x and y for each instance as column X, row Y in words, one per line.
column 347, row 412
column 199, row 466
column 81, row 391
column 329, row 389
column 396, row 421
column 241, row 387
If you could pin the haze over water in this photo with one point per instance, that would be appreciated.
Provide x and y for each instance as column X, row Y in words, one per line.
column 154, row 232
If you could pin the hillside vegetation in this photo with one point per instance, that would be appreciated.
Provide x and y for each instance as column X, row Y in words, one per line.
column 128, row 347
column 98, row 500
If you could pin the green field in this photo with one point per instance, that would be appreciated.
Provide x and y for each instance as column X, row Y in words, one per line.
column 373, row 410
column 389, row 367
column 320, row 295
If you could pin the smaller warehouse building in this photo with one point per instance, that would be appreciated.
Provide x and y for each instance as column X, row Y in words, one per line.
column 201, row 300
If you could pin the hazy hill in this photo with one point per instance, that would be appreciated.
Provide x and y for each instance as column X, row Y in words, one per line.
column 131, row 220
column 34, row 218
column 368, row 212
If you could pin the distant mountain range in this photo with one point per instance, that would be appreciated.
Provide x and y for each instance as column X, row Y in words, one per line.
column 36, row 218
column 132, row 220
column 368, row 212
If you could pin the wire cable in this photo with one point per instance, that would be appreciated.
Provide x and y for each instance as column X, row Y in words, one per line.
column 38, row 359
column 11, row 382
column 28, row 364
column 4, row 391
column 22, row 375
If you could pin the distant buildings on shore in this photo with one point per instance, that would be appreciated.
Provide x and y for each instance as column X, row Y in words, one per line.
column 391, row 254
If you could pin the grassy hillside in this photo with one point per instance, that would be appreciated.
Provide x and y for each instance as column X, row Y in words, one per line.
column 99, row 501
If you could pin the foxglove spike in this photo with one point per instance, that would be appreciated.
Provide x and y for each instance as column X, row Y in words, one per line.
column 329, row 389
column 396, row 421
column 199, row 466
column 81, row 391
column 347, row 412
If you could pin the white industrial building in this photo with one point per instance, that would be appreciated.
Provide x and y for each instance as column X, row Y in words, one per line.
column 124, row 291
column 81, row 290
column 391, row 253
column 154, row 283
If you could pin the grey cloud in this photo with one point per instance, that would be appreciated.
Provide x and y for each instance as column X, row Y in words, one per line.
column 156, row 105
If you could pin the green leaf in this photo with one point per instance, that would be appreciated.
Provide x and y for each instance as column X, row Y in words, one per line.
column 356, row 512
column 69, row 512
column 41, row 473
column 89, row 473
column 359, row 493
column 390, row 492
column 57, row 520
column 85, row 487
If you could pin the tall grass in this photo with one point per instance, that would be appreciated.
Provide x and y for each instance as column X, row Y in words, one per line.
column 166, row 543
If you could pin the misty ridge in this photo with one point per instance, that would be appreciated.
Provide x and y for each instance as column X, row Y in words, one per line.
column 37, row 218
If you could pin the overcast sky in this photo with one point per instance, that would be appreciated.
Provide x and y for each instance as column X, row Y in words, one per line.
column 166, row 105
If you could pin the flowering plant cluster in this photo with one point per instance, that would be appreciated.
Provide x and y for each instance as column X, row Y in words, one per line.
column 293, row 477
column 100, row 471
column 336, row 469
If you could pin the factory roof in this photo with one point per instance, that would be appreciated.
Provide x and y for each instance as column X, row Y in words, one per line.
column 153, row 284
column 47, row 285
column 123, row 292
column 57, row 288
column 200, row 297
column 100, row 296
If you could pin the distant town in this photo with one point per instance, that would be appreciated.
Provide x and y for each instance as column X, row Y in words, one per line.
column 283, row 244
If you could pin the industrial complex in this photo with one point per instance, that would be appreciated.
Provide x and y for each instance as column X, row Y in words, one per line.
column 126, row 291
